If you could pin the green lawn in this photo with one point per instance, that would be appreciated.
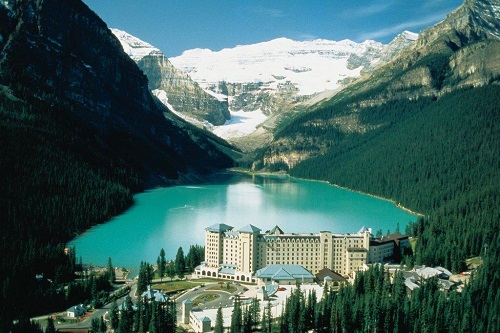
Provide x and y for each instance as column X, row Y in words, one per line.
column 223, row 287
column 174, row 286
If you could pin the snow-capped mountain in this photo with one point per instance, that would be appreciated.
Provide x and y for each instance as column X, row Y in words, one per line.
column 133, row 46
column 173, row 87
column 311, row 66
column 270, row 78
column 254, row 81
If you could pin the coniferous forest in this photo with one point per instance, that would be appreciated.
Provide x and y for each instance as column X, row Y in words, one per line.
column 64, row 169
column 442, row 159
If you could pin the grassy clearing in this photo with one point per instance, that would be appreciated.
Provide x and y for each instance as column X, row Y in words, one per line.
column 223, row 287
column 473, row 263
column 174, row 286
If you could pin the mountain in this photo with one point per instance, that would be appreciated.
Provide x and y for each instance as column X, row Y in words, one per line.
column 457, row 53
column 422, row 129
column 270, row 78
column 172, row 86
column 80, row 133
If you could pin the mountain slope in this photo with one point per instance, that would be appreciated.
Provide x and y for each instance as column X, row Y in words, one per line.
column 422, row 130
column 432, row 67
column 268, row 79
column 80, row 133
column 458, row 52
column 172, row 86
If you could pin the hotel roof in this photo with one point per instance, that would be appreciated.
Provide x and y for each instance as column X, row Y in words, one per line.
column 283, row 272
column 249, row 228
column 219, row 227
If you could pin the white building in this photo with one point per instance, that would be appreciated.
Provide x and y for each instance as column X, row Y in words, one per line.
column 76, row 311
column 237, row 254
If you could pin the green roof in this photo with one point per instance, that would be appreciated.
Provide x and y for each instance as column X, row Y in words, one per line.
column 249, row 228
column 283, row 272
column 276, row 231
column 219, row 227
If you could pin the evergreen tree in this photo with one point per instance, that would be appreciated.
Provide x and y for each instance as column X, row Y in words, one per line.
column 180, row 264
column 95, row 326
column 144, row 278
column 111, row 272
column 50, row 328
column 162, row 263
column 113, row 316
column 236, row 318
column 219, row 322
column 170, row 270
column 102, row 325
column 266, row 323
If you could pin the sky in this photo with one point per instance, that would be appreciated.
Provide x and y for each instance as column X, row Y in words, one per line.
column 174, row 26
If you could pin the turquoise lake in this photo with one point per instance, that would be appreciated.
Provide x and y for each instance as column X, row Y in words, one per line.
column 177, row 216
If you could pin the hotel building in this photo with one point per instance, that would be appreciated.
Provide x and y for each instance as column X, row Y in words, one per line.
column 238, row 254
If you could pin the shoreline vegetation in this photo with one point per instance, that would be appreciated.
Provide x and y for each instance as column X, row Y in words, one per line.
column 281, row 173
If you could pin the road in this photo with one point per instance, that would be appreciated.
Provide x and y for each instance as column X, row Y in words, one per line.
column 98, row 313
column 223, row 300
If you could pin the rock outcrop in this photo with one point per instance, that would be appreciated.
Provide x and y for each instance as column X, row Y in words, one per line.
column 61, row 53
column 172, row 86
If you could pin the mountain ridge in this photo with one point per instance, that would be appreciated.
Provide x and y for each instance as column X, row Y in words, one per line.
column 174, row 88
column 80, row 133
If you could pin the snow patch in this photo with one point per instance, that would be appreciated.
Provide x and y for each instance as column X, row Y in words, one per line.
column 241, row 124
column 133, row 46
column 312, row 66
column 220, row 97
column 409, row 35
column 162, row 96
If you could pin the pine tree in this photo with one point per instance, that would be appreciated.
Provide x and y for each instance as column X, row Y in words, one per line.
column 50, row 328
column 219, row 322
column 180, row 264
column 113, row 315
column 162, row 263
column 236, row 318
column 111, row 272
column 266, row 322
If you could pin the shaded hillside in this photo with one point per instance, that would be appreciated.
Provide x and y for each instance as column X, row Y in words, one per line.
column 422, row 130
column 80, row 133
column 440, row 158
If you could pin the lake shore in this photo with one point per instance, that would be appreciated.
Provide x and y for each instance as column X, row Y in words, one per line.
column 269, row 173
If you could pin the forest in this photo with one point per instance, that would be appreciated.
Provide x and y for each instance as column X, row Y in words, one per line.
column 440, row 157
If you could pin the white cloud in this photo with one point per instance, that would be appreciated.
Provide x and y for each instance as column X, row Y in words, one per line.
column 269, row 12
column 370, row 10
column 373, row 9
column 408, row 25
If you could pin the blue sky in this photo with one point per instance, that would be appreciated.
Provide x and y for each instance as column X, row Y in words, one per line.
column 177, row 25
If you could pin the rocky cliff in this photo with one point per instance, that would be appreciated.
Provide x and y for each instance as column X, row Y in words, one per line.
column 459, row 52
column 172, row 86
column 60, row 53
column 268, row 80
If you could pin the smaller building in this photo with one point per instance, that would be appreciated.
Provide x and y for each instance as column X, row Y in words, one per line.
column 389, row 248
column 199, row 322
column 284, row 274
column 154, row 295
column 76, row 311
column 330, row 278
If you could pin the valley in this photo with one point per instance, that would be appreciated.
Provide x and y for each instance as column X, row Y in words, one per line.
column 90, row 117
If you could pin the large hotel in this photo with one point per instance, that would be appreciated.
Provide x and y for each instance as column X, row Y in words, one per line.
column 238, row 254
